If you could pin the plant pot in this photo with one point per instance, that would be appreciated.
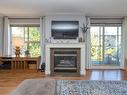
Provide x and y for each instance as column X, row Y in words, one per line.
column 84, row 37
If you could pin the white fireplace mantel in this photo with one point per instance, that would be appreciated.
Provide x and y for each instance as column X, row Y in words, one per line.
column 65, row 45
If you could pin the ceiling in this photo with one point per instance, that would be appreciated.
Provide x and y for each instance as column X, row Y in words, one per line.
column 50, row 7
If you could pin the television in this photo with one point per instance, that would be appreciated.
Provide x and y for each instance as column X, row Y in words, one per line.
column 64, row 29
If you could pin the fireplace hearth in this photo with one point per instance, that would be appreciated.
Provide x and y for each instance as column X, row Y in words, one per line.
column 65, row 60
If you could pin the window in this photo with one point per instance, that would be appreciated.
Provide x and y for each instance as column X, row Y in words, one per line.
column 105, row 44
column 105, row 35
column 31, row 38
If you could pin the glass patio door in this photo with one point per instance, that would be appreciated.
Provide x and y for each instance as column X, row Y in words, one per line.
column 105, row 45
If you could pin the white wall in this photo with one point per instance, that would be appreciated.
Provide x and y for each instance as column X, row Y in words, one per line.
column 1, row 35
column 124, row 41
column 48, row 19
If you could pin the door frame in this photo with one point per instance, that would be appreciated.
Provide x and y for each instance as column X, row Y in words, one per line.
column 88, row 49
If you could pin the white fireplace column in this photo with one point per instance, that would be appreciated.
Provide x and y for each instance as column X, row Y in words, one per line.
column 65, row 45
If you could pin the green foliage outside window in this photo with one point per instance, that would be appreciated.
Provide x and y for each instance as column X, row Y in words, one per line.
column 31, row 37
column 33, row 40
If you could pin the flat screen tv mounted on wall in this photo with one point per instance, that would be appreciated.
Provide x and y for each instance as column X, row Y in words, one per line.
column 64, row 29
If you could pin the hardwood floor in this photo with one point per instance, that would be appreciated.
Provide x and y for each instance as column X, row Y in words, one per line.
column 9, row 79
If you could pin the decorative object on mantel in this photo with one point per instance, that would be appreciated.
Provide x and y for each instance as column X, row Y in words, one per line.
column 84, row 29
column 48, row 40
column 80, row 39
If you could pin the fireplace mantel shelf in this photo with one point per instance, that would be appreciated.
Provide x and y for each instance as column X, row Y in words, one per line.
column 65, row 45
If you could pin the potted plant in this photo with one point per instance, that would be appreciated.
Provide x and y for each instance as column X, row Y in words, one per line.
column 84, row 29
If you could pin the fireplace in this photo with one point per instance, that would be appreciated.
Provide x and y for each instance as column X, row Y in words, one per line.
column 65, row 60
column 73, row 52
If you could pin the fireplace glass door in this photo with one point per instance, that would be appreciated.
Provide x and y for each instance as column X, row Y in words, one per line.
column 65, row 60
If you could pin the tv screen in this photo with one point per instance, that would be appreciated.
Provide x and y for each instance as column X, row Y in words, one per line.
column 64, row 29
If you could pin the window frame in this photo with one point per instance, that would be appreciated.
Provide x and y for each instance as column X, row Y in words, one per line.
column 28, row 42
column 103, row 34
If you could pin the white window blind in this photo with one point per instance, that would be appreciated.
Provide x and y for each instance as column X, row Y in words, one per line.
column 106, row 21
column 24, row 21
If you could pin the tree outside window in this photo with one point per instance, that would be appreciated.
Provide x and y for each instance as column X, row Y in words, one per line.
column 31, row 37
